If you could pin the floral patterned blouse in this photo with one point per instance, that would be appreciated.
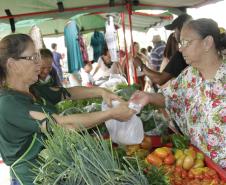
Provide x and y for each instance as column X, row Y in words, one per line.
column 199, row 108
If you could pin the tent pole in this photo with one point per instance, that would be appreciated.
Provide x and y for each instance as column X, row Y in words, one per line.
column 126, row 50
column 165, row 17
column 129, row 9
column 79, row 9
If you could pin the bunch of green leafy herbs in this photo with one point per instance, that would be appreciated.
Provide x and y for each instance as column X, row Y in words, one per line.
column 68, row 107
column 79, row 104
column 180, row 141
column 77, row 158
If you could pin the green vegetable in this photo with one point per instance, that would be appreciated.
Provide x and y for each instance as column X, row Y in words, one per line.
column 78, row 104
column 126, row 91
column 77, row 158
column 180, row 141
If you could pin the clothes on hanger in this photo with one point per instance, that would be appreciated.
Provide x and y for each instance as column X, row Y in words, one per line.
column 36, row 36
column 97, row 42
column 83, row 49
column 75, row 61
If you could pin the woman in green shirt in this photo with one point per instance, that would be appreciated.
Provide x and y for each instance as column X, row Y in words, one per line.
column 21, row 118
column 47, row 88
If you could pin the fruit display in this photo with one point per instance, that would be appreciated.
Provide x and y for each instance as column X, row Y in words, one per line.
column 185, row 166
column 181, row 162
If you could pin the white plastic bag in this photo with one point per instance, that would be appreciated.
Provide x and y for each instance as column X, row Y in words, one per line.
column 113, row 81
column 127, row 133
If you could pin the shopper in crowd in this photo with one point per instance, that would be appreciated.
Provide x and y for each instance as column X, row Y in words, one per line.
column 105, row 66
column 134, row 69
column 48, row 73
column 144, row 51
column 157, row 53
column 222, row 30
column 176, row 64
column 57, row 57
column 22, row 119
column 196, row 99
column 170, row 50
column 149, row 48
column 87, row 78
column 48, row 87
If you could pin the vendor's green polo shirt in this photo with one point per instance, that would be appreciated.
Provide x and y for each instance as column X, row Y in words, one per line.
column 16, row 125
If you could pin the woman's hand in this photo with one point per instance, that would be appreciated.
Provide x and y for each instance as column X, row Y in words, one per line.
column 137, row 62
column 39, row 116
column 140, row 97
column 122, row 112
column 108, row 96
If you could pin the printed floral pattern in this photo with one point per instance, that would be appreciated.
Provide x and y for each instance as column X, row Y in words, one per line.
column 199, row 108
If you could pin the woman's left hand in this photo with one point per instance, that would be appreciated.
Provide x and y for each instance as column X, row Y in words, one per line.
column 140, row 97
column 108, row 96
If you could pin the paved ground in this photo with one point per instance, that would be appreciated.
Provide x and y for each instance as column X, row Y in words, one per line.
column 4, row 174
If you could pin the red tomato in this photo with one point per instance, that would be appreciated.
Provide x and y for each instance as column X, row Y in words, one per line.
column 215, row 182
column 170, row 159
column 200, row 177
column 211, row 172
column 194, row 182
column 183, row 174
column 153, row 159
column 178, row 180
column 178, row 170
column 190, row 175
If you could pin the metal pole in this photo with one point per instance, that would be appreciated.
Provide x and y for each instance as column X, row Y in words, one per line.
column 126, row 50
column 129, row 10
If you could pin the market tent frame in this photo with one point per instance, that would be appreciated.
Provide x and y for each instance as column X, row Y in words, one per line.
column 17, row 15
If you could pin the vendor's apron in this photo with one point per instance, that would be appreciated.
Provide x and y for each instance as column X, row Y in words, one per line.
column 21, row 168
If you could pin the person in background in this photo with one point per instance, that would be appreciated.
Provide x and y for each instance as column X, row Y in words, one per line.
column 24, row 121
column 222, row 30
column 134, row 52
column 48, row 87
column 105, row 66
column 157, row 53
column 196, row 99
column 144, row 51
column 149, row 48
column 87, row 78
column 57, row 57
column 177, row 63
column 170, row 50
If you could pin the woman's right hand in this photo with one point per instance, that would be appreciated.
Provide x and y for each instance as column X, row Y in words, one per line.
column 138, row 62
column 122, row 112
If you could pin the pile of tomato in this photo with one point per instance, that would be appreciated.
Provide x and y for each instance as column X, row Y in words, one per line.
column 198, row 176
column 185, row 167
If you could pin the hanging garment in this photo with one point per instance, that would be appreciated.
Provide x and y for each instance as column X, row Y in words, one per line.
column 97, row 42
column 36, row 36
column 111, row 39
column 74, row 55
column 83, row 49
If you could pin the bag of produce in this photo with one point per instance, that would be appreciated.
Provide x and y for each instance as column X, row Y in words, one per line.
column 128, row 133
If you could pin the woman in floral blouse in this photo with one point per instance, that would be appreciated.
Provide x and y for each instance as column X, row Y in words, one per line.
column 196, row 99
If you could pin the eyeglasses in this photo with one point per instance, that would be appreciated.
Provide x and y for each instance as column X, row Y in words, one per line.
column 35, row 58
column 186, row 43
